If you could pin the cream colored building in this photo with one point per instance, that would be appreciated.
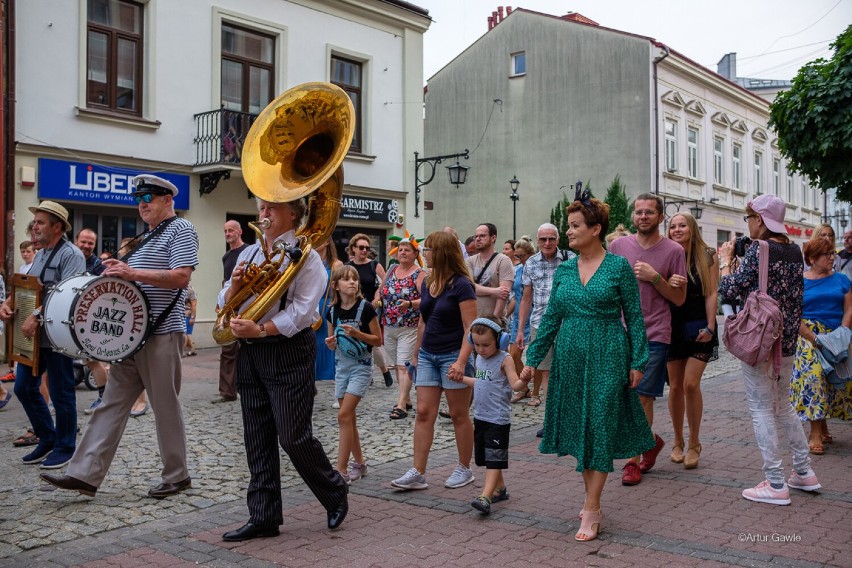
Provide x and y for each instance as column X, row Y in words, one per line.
column 149, row 86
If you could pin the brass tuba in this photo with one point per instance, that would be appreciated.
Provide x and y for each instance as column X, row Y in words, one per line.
column 295, row 148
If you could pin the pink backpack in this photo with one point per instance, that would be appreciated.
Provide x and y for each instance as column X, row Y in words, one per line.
column 754, row 334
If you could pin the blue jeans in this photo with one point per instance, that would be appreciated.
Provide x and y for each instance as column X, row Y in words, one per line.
column 433, row 369
column 60, row 372
column 654, row 379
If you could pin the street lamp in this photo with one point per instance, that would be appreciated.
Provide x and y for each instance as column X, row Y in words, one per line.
column 457, row 173
column 695, row 208
column 514, row 197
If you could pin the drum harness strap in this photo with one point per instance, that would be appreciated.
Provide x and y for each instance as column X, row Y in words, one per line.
column 151, row 234
column 47, row 266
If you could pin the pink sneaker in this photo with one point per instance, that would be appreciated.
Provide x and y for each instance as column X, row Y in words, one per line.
column 807, row 482
column 765, row 493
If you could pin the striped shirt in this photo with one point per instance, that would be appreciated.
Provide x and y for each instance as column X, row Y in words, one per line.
column 175, row 247
column 303, row 295
column 538, row 273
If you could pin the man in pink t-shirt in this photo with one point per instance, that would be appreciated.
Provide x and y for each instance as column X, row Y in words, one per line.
column 660, row 268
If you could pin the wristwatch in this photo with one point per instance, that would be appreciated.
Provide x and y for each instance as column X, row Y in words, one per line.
column 262, row 331
column 37, row 313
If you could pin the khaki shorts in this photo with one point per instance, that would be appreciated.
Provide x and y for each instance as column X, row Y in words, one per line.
column 548, row 359
column 399, row 345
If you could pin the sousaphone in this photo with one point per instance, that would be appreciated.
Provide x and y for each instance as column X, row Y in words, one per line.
column 294, row 149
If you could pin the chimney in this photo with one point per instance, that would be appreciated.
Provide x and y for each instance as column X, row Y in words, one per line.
column 508, row 11
column 727, row 66
column 490, row 23
column 500, row 13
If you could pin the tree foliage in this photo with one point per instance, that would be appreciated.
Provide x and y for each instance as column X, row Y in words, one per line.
column 620, row 208
column 558, row 217
column 814, row 120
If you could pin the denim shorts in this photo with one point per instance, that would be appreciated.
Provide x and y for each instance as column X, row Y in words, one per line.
column 352, row 376
column 432, row 370
column 654, row 379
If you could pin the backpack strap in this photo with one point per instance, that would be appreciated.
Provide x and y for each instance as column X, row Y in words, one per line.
column 763, row 270
column 360, row 311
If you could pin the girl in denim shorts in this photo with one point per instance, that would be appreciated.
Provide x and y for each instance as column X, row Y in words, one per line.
column 353, row 330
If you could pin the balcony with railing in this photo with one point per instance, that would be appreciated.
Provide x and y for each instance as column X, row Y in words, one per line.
column 219, row 138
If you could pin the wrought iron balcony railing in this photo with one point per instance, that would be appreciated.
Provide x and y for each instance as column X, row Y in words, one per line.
column 219, row 136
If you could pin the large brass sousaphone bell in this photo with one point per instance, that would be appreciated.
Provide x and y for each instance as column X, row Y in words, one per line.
column 295, row 148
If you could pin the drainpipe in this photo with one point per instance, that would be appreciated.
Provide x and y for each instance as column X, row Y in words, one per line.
column 7, row 148
column 657, row 119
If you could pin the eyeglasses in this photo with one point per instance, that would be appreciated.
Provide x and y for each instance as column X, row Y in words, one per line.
column 146, row 197
column 362, row 247
column 645, row 213
column 831, row 254
column 547, row 239
column 425, row 249
column 485, row 236
column 747, row 217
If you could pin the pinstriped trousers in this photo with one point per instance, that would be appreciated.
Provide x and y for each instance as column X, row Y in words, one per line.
column 276, row 386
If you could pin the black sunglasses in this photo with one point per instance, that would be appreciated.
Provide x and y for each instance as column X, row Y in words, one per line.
column 146, row 197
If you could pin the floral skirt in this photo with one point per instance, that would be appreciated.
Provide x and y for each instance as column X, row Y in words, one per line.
column 812, row 396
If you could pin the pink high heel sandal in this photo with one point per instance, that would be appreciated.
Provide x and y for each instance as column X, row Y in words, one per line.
column 589, row 526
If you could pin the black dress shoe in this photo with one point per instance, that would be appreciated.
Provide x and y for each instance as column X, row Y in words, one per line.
column 540, row 433
column 70, row 483
column 249, row 531
column 165, row 489
column 336, row 517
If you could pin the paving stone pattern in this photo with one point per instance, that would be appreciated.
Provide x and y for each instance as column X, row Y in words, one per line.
column 675, row 517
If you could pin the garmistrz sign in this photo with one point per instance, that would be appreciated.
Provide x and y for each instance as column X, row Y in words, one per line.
column 60, row 180
column 370, row 209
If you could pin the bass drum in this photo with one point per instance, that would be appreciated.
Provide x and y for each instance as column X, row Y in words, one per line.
column 97, row 317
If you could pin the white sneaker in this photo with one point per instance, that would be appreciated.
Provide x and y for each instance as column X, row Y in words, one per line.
column 765, row 493
column 412, row 479
column 807, row 482
column 460, row 477
column 336, row 404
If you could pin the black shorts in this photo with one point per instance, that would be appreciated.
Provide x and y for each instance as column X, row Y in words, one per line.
column 491, row 444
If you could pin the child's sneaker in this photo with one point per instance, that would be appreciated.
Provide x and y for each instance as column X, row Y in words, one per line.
column 482, row 504
column 460, row 477
column 807, row 482
column 345, row 477
column 412, row 479
column 357, row 470
column 765, row 493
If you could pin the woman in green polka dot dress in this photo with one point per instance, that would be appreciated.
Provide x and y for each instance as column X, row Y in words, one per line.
column 592, row 411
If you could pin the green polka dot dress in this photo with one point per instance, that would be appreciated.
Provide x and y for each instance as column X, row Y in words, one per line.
column 592, row 413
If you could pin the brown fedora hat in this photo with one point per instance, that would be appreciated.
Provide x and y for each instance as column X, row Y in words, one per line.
column 55, row 209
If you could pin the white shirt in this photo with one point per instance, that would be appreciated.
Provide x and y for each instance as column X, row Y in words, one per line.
column 303, row 295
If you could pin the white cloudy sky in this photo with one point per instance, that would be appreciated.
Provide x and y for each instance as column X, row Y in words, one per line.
column 772, row 38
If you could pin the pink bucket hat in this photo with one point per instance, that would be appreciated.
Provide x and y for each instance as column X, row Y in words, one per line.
column 771, row 209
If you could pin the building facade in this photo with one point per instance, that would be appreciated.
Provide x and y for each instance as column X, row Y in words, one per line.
column 578, row 101
column 107, row 89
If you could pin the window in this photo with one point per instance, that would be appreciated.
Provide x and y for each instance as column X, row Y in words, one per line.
column 519, row 64
column 804, row 193
column 789, row 188
column 114, row 56
column 776, row 176
column 758, row 172
column 719, row 161
column 722, row 237
column 248, row 65
column 736, row 170
column 692, row 152
column 671, row 146
column 346, row 74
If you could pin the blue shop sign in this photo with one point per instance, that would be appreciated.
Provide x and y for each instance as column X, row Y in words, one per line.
column 93, row 183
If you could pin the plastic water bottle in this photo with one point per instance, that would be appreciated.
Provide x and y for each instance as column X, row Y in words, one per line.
column 412, row 371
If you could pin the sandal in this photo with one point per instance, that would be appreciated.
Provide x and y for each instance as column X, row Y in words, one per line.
column 589, row 526
column 520, row 395
column 28, row 439
column 534, row 401
column 692, row 463
column 816, row 448
column 397, row 413
column 677, row 453
column 827, row 439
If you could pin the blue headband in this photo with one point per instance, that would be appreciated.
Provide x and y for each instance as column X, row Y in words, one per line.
column 489, row 324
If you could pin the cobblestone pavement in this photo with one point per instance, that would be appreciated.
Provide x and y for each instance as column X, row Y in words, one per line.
column 675, row 517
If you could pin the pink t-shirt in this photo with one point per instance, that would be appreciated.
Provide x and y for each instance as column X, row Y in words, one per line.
column 667, row 258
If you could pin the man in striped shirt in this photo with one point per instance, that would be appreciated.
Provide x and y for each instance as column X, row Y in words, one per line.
column 161, row 266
